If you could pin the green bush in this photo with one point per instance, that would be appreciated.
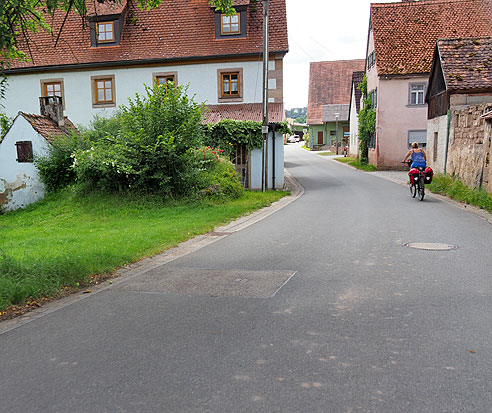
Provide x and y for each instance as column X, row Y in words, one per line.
column 451, row 186
column 149, row 147
column 55, row 169
column 219, row 179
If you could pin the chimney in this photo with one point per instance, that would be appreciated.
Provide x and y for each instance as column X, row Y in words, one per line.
column 52, row 106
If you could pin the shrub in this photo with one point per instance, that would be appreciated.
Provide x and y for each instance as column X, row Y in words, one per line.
column 219, row 179
column 55, row 169
column 149, row 147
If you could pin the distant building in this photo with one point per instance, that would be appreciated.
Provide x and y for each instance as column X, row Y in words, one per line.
column 329, row 102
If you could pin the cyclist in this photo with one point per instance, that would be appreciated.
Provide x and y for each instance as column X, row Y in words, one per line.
column 419, row 159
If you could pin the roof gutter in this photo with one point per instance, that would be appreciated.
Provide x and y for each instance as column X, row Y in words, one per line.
column 143, row 62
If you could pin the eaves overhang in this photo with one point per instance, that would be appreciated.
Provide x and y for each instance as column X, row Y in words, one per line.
column 141, row 62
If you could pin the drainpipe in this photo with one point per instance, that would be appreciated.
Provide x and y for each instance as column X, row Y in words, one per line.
column 274, row 126
column 447, row 141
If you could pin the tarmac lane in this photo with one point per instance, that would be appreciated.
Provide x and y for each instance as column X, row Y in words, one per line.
column 321, row 306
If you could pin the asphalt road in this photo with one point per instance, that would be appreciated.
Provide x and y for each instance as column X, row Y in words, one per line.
column 318, row 308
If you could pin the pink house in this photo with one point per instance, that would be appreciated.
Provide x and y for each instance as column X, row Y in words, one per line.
column 400, row 45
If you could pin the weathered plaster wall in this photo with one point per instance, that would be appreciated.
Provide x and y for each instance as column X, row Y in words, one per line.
column 255, row 167
column 19, row 182
column 436, row 151
column 354, row 129
column 469, row 146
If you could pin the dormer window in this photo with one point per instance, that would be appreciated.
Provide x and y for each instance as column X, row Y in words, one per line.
column 233, row 26
column 230, row 24
column 105, row 32
column 107, row 20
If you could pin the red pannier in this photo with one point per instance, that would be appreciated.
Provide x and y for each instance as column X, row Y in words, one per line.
column 429, row 174
column 413, row 175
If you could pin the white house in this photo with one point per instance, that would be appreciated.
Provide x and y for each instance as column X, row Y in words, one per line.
column 105, row 58
column 355, row 105
column 29, row 135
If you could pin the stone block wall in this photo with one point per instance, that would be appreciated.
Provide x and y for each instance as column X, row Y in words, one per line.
column 469, row 146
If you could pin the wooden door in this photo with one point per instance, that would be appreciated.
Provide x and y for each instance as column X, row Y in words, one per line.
column 239, row 158
column 320, row 137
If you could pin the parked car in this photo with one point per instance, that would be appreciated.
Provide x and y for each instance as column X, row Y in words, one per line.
column 293, row 139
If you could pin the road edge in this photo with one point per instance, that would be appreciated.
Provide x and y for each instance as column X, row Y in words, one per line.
column 131, row 271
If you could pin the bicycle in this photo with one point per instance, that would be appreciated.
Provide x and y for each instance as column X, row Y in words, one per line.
column 418, row 177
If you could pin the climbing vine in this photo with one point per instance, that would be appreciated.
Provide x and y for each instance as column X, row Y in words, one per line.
column 228, row 133
column 367, row 121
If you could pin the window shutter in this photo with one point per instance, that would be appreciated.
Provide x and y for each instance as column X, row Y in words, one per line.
column 24, row 151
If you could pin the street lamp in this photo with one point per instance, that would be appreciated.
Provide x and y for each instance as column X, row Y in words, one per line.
column 336, row 136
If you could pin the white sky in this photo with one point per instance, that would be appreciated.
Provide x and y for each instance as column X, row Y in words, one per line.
column 322, row 30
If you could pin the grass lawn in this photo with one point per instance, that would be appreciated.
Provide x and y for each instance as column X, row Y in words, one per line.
column 356, row 163
column 64, row 239
column 457, row 190
column 326, row 153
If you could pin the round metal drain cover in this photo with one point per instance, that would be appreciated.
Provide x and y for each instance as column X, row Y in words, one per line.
column 430, row 246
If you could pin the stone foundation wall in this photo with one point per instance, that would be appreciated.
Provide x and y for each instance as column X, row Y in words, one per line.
column 469, row 146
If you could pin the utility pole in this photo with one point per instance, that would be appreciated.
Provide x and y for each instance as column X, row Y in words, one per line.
column 264, row 129
column 336, row 136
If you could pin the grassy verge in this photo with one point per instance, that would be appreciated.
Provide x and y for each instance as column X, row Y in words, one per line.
column 356, row 163
column 326, row 153
column 457, row 190
column 64, row 239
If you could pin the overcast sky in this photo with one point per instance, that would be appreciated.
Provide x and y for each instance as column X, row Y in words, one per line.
column 321, row 30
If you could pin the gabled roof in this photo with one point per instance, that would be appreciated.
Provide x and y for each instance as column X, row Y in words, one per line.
column 405, row 33
column 244, row 111
column 466, row 63
column 107, row 8
column 47, row 127
column 178, row 30
column 333, row 113
column 330, row 83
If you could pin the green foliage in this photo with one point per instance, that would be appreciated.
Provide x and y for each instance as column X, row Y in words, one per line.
column 367, row 121
column 305, row 137
column 284, row 128
column 219, row 178
column 55, row 168
column 153, row 150
column 451, row 186
column 5, row 123
column 97, row 232
column 227, row 133
column 356, row 163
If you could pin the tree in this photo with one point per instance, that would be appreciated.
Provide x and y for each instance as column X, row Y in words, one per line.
column 20, row 17
column 367, row 121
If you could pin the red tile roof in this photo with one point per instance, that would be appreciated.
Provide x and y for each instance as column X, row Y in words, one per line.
column 244, row 111
column 95, row 8
column 405, row 33
column 177, row 30
column 467, row 63
column 330, row 83
column 47, row 128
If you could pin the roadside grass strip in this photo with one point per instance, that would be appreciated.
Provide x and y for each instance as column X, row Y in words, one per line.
column 457, row 190
column 326, row 153
column 63, row 240
column 356, row 163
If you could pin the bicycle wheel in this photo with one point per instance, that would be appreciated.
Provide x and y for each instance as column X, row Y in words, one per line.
column 413, row 189
column 421, row 187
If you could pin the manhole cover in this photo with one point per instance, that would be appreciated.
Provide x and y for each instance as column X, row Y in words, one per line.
column 430, row 246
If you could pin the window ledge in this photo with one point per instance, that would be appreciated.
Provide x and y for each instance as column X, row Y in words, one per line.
column 417, row 106
column 230, row 100
column 103, row 105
